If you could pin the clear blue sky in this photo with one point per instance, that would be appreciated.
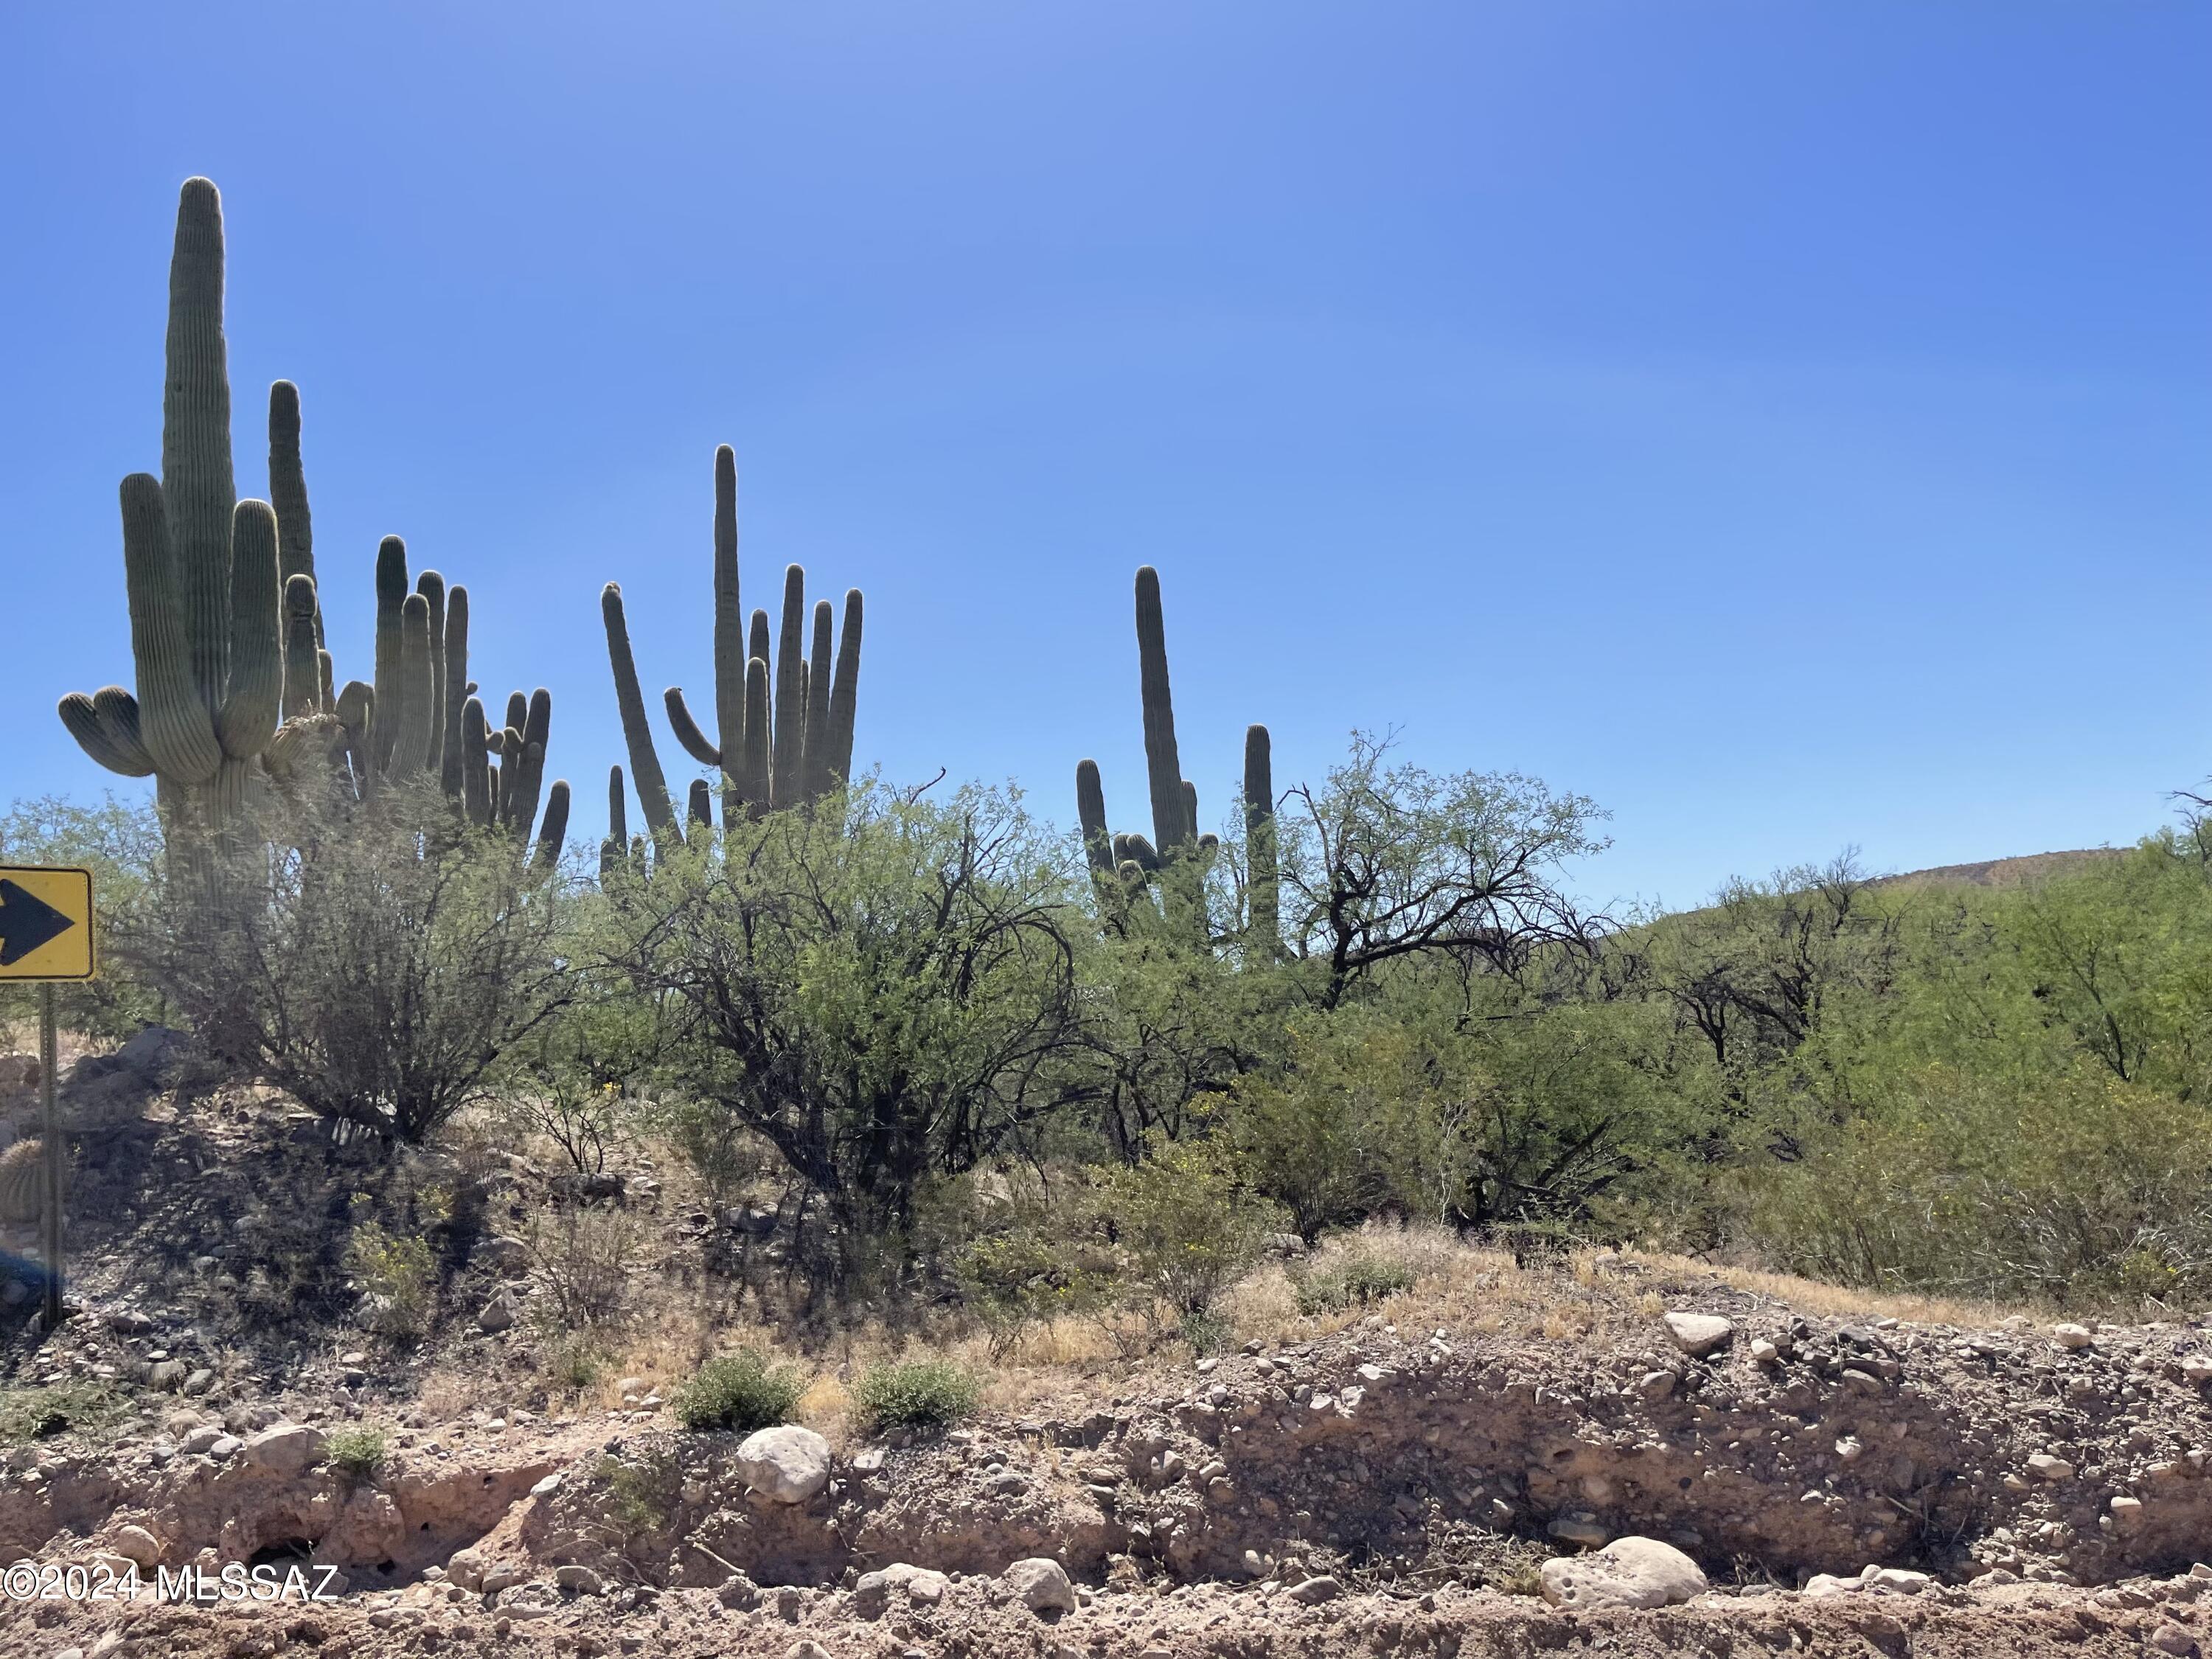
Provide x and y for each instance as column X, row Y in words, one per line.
column 1786, row 422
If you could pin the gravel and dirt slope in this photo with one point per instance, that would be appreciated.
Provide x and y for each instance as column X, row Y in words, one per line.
column 1379, row 1480
column 1376, row 1489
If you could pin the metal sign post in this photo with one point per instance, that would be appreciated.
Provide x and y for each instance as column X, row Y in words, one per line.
column 46, row 935
column 51, row 1212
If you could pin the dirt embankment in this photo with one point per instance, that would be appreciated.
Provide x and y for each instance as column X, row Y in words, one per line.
column 1379, row 1489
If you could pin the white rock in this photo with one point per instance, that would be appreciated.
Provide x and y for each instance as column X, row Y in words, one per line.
column 1629, row 1572
column 574, row 1575
column 1699, row 1335
column 2044, row 1467
column 1897, row 1581
column 287, row 1448
column 923, row 1586
column 2196, row 1367
column 1042, row 1584
column 2127, row 1512
column 137, row 1544
column 1826, row 1584
column 1765, row 1353
column 787, row 1463
column 2072, row 1336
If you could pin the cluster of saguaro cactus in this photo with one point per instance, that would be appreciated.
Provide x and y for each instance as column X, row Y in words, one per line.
column 783, row 724
column 421, row 719
column 1126, row 864
column 235, row 680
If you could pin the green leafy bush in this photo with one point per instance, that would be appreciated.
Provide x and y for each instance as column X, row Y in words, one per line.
column 1039, row 1258
column 1186, row 1226
column 740, row 1392
column 355, row 1450
column 922, row 1394
column 1350, row 1281
column 398, row 1278
column 2078, row 1190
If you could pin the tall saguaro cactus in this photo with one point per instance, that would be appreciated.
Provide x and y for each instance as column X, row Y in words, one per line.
column 1177, row 858
column 783, row 741
column 1263, row 936
column 202, row 573
column 235, row 686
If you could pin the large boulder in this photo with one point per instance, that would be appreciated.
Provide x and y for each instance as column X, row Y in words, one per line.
column 1041, row 1584
column 786, row 1464
column 1629, row 1572
column 286, row 1448
column 1699, row 1335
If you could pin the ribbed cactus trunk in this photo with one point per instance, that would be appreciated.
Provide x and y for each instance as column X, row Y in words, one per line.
column 288, row 494
column 1263, row 939
column 729, row 634
column 651, row 782
column 452, row 762
column 197, row 482
column 758, row 789
column 818, row 738
column 1171, row 825
column 1091, row 813
column 785, row 783
column 845, row 694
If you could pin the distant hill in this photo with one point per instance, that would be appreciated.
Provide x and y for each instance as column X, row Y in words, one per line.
column 2020, row 871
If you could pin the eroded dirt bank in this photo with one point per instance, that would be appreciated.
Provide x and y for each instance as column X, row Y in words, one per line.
column 1380, row 1489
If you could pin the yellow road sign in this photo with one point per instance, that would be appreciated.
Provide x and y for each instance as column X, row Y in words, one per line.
column 45, row 922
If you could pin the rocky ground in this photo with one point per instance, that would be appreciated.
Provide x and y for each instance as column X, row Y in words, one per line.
column 1450, row 1473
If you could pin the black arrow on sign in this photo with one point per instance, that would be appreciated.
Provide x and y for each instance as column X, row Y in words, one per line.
column 26, row 923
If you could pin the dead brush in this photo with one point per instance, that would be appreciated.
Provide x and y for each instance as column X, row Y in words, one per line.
column 582, row 1264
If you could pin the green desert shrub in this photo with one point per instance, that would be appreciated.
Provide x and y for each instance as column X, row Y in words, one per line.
column 2075, row 1189
column 356, row 1449
column 920, row 1394
column 397, row 1275
column 1036, row 1256
column 1187, row 1227
column 1350, row 1281
column 739, row 1392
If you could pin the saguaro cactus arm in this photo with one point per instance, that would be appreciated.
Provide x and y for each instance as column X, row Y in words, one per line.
column 1171, row 826
column 175, row 723
column 845, row 692
column 303, row 660
column 816, row 765
column 651, row 783
column 1090, row 812
column 288, row 491
column 453, row 764
column 754, row 783
column 254, row 699
column 687, row 729
column 105, row 726
column 553, row 834
column 790, row 745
